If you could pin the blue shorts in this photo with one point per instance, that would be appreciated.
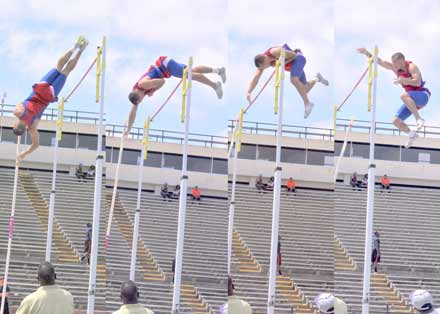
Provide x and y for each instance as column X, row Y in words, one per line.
column 297, row 69
column 56, row 79
column 420, row 97
column 154, row 72
column 175, row 68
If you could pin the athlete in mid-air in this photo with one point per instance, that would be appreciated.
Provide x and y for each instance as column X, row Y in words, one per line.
column 294, row 63
column 163, row 68
column 416, row 95
column 46, row 91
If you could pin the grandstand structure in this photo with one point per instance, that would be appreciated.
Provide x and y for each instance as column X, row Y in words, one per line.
column 306, row 234
column 204, row 259
column 407, row 217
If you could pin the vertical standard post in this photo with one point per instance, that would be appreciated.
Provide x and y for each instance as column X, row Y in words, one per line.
column 232, row 207
column 115, row 190
column 137, row 215
column 370, row 197
column 276, row 192
column 98, row 179
column 11, row 230
column 182, row 201
column 54, row 180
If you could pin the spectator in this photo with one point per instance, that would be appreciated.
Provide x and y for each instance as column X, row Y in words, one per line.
column 234, row 304
column 91, row 172
column 196, row 193
column 325, row 302
column 279, row 256
column 79, row 173
column 129, row 298
column 6, row 308
column 87, row 244
column 375, row 256
column 259, row 184
column 173, row 269
column 421, row 300
column 354, row 181
column 164, row 191
column 176, row 193
column 364, row 183
column 48, row 298
column 385, row 182
column 291, row 185
column 269, row 186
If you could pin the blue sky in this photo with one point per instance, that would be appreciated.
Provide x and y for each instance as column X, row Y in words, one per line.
column 33, row 34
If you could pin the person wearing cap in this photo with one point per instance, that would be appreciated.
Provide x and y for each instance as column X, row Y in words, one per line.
column 234, row 304
column 129, row 297
column 421, row 300
column 49, row 298
column 325, row 302
column 375, row 256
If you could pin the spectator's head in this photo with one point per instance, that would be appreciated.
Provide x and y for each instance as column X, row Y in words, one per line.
column 385, row 176
column 129, row 292
column 325, row 302
column 272, row 179
column 230, row 286
column 260, row 177
column 89, row 225
column 196, row 187
column 46, row 274
column 291, row 179
column 421, row 300
column 177, row 187
column 377, row 233
column 165, row 185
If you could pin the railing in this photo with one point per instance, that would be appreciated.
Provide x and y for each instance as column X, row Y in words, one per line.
column 170, row 136
column 305, row 132
column 385, row 128
column 51, row 114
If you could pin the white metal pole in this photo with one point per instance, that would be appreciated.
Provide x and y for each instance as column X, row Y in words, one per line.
column 97, row 195
column 52, row 199
column 182, row 200
column 11, row 230
column 115, row 190
column 276, row 198
column 370, row 197
column 232, row 206
column 137, row 216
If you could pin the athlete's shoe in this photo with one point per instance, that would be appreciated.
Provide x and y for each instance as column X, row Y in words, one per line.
column 420, row 124
column 79, row 42
column 84, row 43
column 411, row 138
column 219, row 90
column 308, row 109
column 222, row 74
column 321, row 79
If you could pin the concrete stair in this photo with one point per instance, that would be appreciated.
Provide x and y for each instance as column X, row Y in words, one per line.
column 66, row 254
column 247, row 263
column 343, row 261
column 191, row 298
column 287, row 289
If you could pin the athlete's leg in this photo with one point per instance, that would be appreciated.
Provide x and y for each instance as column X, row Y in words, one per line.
column 310, row 84
column 410, row 104
column 402, row 126
column 63, row 60
column 71, row 64
column 203, row 79
column 205, row 69
column 301, row 88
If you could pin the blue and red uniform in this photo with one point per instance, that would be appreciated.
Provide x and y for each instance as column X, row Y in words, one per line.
column 420, row 94
column 163, row 67
column 43, row 93
column 295, row 67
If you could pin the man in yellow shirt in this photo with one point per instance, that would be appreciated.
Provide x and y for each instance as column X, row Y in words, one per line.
column 234, row 305
column 129, row 297
column 49, row 298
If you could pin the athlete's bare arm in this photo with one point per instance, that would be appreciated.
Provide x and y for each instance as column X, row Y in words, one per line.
column 385, row 64
column 254, row 83
column 414, row 80
column 35, row 138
